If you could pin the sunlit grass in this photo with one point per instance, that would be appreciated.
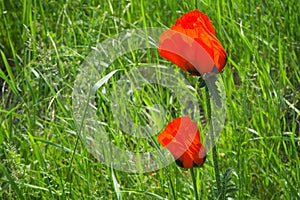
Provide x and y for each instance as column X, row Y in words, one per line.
column 42, row 48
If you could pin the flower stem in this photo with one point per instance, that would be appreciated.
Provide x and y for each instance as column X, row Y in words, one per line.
column 194, row 183
column 214, row 146
column 172, row 188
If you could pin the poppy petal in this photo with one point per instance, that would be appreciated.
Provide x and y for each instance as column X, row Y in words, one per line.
column 182, row 138
column 191, row 44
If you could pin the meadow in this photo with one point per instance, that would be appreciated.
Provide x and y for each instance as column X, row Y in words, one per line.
column 43, row 46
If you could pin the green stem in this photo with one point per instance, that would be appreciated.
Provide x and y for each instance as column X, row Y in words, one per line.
column 214, row 146
column 194, row 183
column 171, row 184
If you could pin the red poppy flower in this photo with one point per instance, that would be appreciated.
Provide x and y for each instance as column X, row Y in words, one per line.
column 182, row 138
column 191, row 44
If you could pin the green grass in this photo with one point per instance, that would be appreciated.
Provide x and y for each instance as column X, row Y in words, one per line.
column 43, row 45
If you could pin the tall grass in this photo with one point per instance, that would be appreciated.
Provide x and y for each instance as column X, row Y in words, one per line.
column 42, row 47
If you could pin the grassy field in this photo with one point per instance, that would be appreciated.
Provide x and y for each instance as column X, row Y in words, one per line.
column 43, row 45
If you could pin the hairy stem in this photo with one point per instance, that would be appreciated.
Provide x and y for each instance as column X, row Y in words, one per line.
column 194, row 183
column 214, row 146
